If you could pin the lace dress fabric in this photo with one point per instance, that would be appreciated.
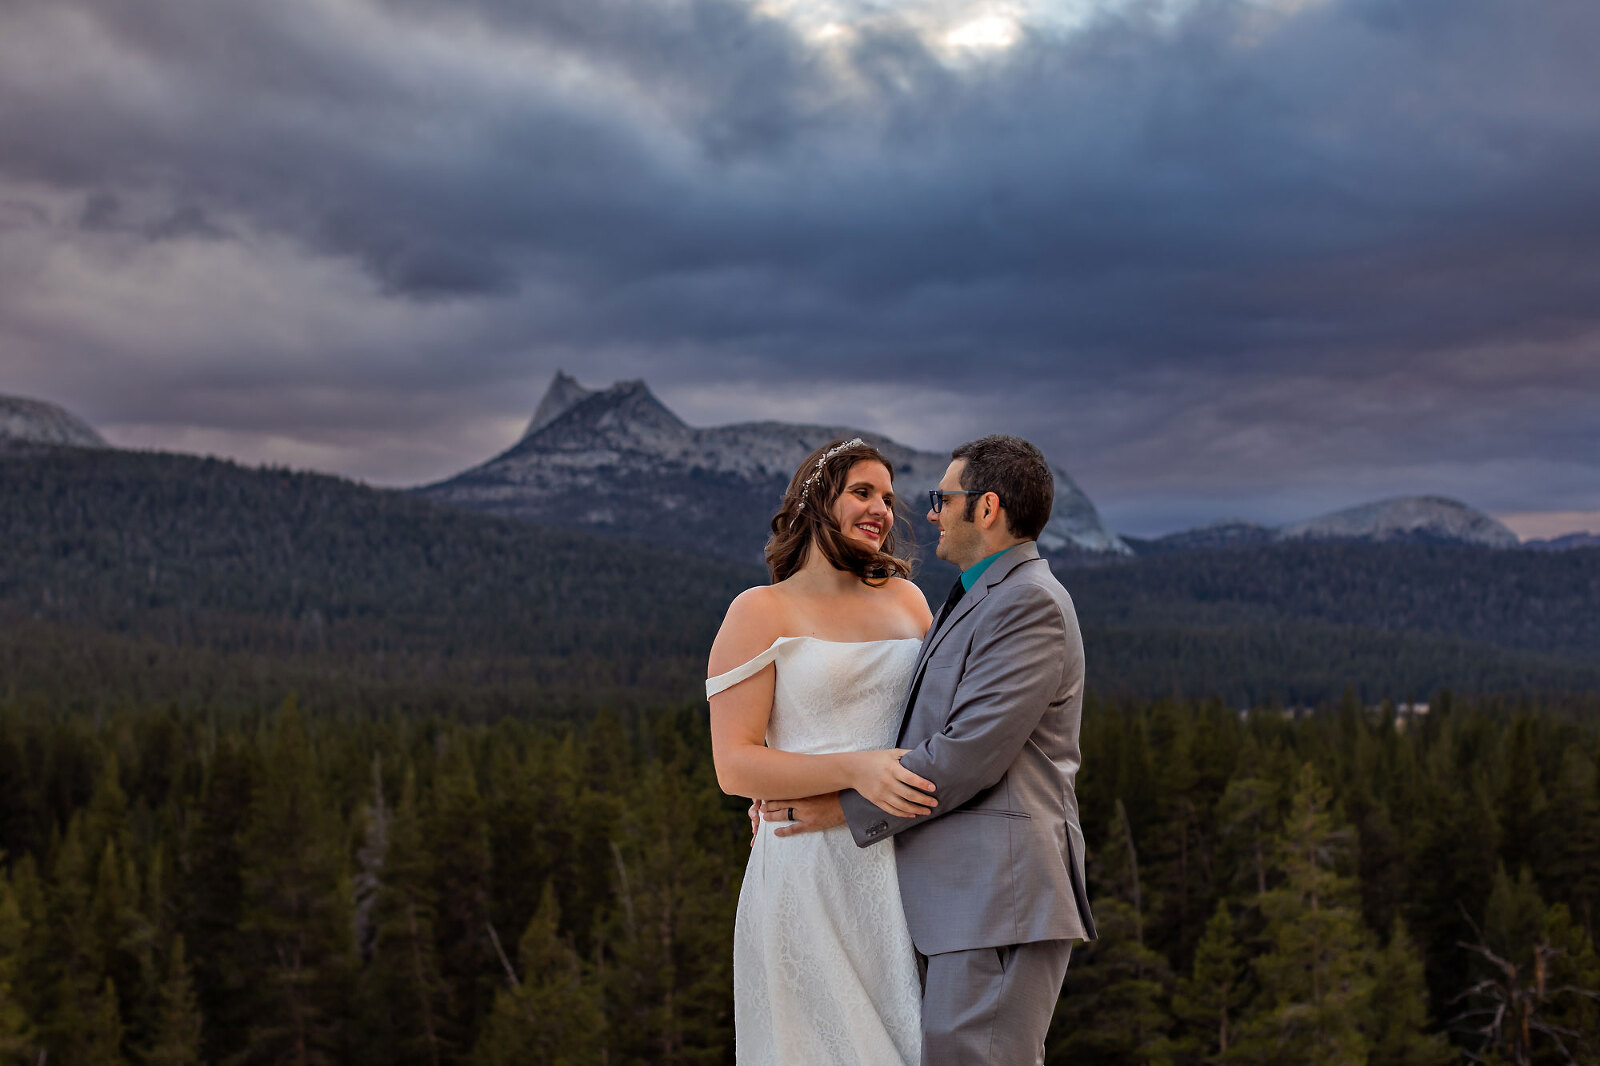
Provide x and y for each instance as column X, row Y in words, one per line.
column 824, row 973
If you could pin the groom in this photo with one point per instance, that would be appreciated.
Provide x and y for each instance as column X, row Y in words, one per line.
column 992, row 878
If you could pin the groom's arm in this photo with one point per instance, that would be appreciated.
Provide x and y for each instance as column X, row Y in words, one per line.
column 1025, row 645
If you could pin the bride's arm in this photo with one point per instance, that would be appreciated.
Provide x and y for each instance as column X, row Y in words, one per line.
column 739, row 716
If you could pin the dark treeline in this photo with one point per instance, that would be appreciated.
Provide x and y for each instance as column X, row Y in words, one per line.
column 340, row 591
column 185, row 887
column 358, row 597
column 1299, row 621
column 1538, row 601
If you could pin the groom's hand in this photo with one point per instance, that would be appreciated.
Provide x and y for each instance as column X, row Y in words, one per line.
column 804, row 815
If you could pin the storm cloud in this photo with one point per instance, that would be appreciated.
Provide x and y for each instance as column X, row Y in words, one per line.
column 1219, row 258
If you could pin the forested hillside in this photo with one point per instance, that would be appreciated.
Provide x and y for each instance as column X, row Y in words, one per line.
column 183, row 887
column 185, row 576
column 151, row 576
column 1299, row 621
column 1540, row 601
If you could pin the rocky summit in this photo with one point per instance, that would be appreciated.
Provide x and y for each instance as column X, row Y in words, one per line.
column 617, row 461
column 24, row 421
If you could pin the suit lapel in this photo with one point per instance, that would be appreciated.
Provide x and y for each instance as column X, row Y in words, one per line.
column 997, row 572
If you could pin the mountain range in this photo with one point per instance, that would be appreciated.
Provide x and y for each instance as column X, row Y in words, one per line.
column 1401, row 520
column 618, row 461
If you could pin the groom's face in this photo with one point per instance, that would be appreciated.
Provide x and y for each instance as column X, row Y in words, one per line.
column 960, row 541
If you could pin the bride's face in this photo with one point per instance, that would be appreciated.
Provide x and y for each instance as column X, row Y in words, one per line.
column 865, row 509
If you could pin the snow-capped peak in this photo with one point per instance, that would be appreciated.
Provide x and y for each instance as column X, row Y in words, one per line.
column 1406, row 518
column 36, row 422
column 618, row 459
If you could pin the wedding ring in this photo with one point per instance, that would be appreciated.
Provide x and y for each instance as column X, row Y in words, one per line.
column 791, row 814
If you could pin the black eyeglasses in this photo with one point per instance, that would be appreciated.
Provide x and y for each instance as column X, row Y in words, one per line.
column 937, row 497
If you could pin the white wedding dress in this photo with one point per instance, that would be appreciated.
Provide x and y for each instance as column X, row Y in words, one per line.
column 824, row 973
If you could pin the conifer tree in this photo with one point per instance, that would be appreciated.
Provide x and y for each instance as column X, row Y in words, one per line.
column 594, row 808
column 1315, row 976
column 16, row 1028
column 1174, row 841
column 1536, row 993
column 123, row 933
column 35, row 971
column 667, row 952
column 178, row 1022
column 404, row 996
column 457, row 841
column 1112, row 1006
column 1452, row 866
column 106, row 818
column 1572, row 985
column 1247, row 816
column 1521, row 805
column 212, row 887
column 529, row 803
column 1209, row 999
column 551, row 1015
column 1513, row 920
column 74, row 959
column 1574, row 870
column 1135, row 781
column 1400, row 1007
column 103, row 1046
column 296, row 928
column 1380, row 858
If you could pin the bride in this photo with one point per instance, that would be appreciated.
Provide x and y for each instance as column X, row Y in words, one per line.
column 808, row 676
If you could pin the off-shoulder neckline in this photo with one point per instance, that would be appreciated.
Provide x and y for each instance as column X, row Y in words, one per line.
column 825, row 640
column 769, row 655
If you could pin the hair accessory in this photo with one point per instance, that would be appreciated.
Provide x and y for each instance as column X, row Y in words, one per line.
column 805, row 487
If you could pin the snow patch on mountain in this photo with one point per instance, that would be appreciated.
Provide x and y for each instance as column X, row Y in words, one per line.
column 1411, row 519
column 1406, row 518
column 24, row 421
column 618, row 459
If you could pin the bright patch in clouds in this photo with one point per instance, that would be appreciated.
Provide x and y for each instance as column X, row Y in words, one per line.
column 990, row 31
column 965, row 26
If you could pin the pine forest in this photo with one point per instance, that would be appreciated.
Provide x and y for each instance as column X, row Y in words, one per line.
column 295, row 771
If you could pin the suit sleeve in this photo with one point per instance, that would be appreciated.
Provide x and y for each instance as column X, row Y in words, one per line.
column 1013, row 672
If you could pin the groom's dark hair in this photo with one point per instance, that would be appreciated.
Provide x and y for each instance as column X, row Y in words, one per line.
column 1014, row 470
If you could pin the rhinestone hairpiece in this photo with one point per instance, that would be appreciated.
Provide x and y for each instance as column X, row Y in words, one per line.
column 806, row 485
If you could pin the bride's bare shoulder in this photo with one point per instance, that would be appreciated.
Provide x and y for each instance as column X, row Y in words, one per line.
column 754, row 620
column 910, row 598
column 754, row 605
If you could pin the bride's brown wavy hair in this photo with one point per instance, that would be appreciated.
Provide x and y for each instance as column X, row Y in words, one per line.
column 795, row 527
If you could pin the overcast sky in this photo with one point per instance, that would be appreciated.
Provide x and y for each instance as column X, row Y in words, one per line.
column 1256, row 259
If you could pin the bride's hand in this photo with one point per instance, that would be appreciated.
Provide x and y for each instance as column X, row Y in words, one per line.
column 883, row 782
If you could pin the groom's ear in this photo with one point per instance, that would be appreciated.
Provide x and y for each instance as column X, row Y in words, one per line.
column 988, row 512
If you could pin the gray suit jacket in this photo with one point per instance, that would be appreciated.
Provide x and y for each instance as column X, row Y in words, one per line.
column 994, row 724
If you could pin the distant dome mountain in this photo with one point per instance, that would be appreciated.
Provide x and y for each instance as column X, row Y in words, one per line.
column 1403, row 519
column 1406, row 518
column 617, row 460
column 24, row 421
